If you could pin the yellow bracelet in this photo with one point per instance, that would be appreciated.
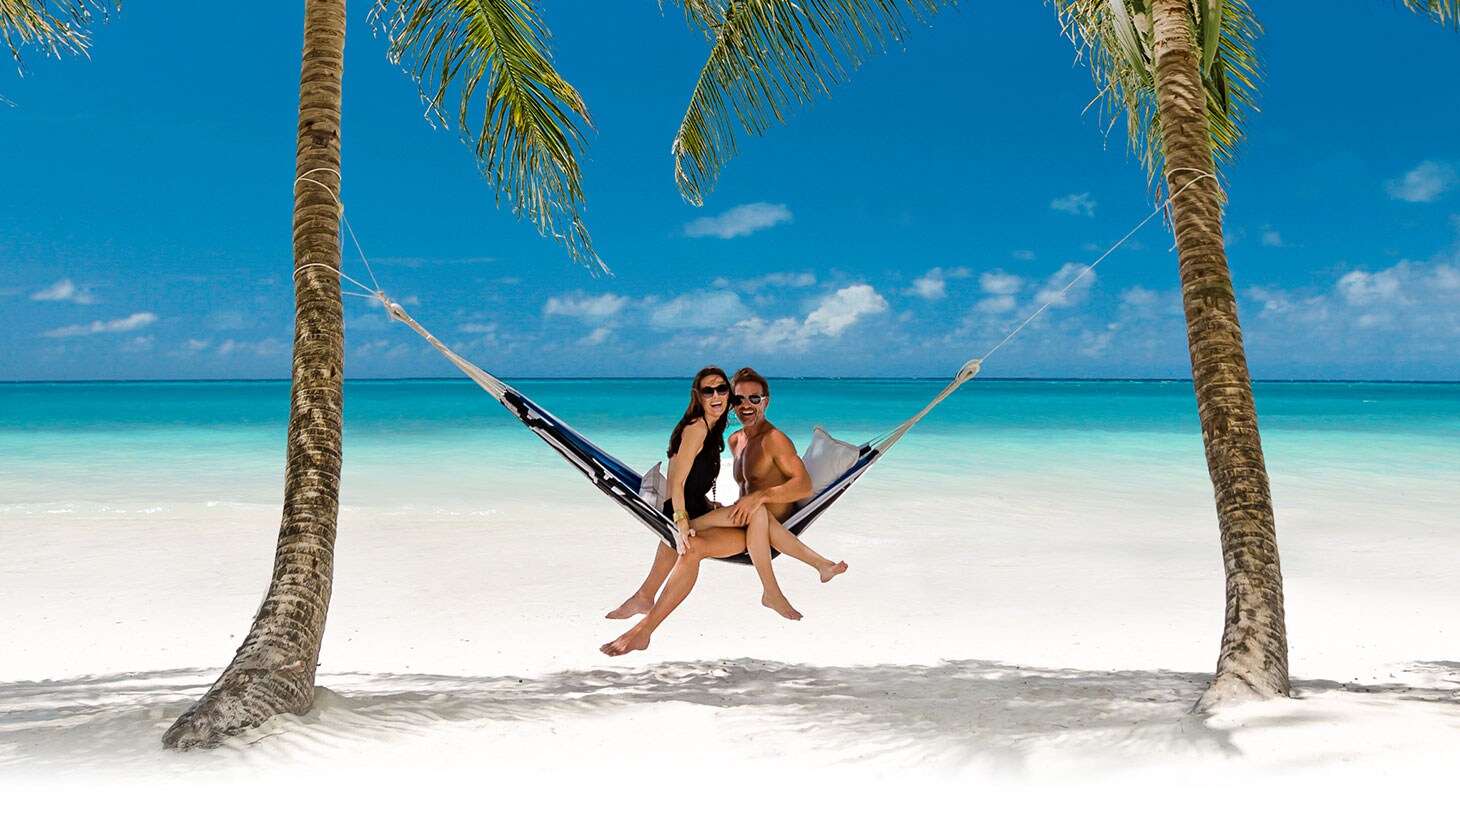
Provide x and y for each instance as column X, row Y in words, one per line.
column 680, row 515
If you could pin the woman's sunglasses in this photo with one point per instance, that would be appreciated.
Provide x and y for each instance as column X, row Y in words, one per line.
column 712, row 390
column 754, row 399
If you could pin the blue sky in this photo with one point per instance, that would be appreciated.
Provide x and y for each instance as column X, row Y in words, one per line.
column 899, row 228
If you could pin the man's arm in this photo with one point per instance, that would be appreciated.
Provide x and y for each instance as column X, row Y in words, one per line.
column 798, row 480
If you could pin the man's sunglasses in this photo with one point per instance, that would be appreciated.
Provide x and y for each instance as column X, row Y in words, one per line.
column 755, row 399
column 712, row 390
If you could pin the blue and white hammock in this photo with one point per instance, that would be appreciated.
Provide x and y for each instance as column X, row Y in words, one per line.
column 621, row 483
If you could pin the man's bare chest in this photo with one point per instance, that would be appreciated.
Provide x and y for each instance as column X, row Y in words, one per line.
column 753, row 466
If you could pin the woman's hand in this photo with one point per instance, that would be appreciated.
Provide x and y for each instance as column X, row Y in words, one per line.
column 684, row 544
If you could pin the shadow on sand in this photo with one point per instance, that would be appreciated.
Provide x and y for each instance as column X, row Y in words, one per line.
column 957, row 710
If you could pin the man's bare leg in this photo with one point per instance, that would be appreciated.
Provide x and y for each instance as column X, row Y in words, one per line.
column 643, row 599
column 791, row 545
column 758, row 543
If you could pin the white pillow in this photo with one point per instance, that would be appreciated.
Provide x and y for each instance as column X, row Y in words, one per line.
column 826, row 459
column 653, row 487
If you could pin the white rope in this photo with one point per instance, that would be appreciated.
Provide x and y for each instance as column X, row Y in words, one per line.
column 882, row 442
column 305, row 177
column 885, row 440
column 1088, row 269
column 371, row 293
column 489, row 383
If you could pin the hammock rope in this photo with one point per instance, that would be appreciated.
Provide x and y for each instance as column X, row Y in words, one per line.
column 615, row 478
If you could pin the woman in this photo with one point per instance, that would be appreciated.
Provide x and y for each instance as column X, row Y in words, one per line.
column 705, row 529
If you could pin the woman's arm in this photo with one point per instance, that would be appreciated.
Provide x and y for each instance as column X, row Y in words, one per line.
column 690, row 443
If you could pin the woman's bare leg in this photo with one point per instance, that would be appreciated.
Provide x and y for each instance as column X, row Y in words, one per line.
column 711, row 544
column 791, row 545
column 643, row 599
column 758, row 543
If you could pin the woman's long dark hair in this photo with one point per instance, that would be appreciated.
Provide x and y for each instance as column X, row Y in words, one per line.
column 696, row 411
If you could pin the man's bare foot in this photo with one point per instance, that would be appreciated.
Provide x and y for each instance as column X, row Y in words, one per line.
column 635, row 605
column 781, row 606
column 629, row 641
column 830, row 571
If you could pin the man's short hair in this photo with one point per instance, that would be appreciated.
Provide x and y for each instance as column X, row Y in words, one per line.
column 748, row 374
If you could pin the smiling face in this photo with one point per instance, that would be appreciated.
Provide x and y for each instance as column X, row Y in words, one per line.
column 718, row 399
column 750, row 414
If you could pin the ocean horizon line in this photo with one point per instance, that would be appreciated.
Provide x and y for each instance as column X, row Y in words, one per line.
column 453, row 379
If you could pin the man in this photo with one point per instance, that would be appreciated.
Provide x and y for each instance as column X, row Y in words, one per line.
column 769, row 473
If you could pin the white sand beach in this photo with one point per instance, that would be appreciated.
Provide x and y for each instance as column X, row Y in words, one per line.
column 1016, row 652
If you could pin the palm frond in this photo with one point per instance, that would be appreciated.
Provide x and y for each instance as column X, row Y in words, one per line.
column 56, row 27
column 1114, row 37
column 527, row 139
column 1443, row 12
column 767, row 58
column 705, row 15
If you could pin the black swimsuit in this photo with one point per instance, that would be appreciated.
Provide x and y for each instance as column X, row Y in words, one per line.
column 701, row 479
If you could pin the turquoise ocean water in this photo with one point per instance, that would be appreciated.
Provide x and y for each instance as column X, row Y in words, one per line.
column 434, row 445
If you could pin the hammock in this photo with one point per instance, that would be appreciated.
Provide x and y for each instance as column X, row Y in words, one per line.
column 621, row 483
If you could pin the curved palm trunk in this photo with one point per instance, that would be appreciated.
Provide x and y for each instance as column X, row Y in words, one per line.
column 1254, row 655
column 273, row 671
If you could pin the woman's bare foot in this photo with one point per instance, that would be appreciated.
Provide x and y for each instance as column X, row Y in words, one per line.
column 638, row 604
column 828, row 572
column 629, row 641
column 781, row 606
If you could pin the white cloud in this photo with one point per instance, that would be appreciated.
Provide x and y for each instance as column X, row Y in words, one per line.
column 231, row 320
column 739, row 221
column 582, row 305
column 418, row 263
column 841, row 309
column 478, row 327
column 999, row 282
column 1362, row 289
column 1425, row 183
column 1280, row 304
column 930, row 287
column 132, row 322
column 705, row 309
column 832, row 317
column 996, row 304
column 1051, row 293
column 597, row 337
column 1271, row 237
column 1074, row 204
column 263, row 347
column 1139, row 296
column 63, row 290
column 1023, row 254
column 1367, row 318
column 792, row 280
column 933, row 284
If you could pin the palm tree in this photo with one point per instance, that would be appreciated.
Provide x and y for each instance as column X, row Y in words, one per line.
column 1184, row 74
column 525, row 148
column 1148, row 57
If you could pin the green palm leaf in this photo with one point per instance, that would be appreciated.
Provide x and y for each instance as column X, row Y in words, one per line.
column 1114, row 37
column 767, row 58
column 1443, row 12
column 54, row 26
column 527, row 138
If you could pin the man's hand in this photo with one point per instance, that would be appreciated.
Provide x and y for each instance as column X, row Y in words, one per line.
column 743, row 509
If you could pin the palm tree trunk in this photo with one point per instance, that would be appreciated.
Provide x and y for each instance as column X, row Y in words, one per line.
column 1254, row 656
column 273, row 671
